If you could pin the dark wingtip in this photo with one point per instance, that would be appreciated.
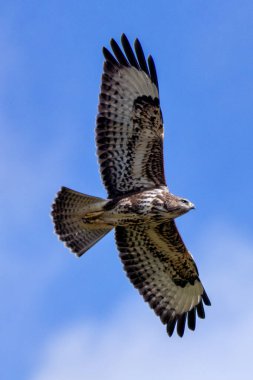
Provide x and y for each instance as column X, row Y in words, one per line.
column 118, row 53
column 206, row 299
column 171, row 326
column 109, row 57
column 181, row 325
column 200, row 310
column 192, row 319
column 152, row 70
column 129, row 52
column 127, row 57
column 141, row 56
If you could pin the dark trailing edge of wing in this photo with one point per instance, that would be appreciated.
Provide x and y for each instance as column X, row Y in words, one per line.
column 130, row 58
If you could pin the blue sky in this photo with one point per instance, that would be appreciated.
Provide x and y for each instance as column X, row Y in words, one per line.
column 63, row 317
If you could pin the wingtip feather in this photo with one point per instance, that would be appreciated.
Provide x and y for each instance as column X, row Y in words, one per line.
column 171, row 327
column 206, row 299
column 192, row 319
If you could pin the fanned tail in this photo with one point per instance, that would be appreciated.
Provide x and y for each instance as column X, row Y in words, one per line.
column 70, row 211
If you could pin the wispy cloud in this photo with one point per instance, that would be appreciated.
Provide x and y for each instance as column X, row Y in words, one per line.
column 133, row 344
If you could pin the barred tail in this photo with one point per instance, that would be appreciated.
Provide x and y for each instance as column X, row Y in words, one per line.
column 68, row 212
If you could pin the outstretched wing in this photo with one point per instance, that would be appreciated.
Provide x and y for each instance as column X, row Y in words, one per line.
column 160, row 267
column 129, row 132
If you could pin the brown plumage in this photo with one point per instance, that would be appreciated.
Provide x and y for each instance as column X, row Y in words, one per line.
column 129, row 138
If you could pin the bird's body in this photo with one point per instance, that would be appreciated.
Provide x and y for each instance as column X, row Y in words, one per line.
column 129, row 138
column 148, row 206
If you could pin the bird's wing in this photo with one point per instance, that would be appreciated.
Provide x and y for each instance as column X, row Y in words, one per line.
column 160, row 267
column 129, row 132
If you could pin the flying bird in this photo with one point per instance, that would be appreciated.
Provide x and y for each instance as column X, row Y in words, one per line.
column 140, row 207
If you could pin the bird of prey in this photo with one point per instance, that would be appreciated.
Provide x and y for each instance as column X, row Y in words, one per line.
column 129, row 139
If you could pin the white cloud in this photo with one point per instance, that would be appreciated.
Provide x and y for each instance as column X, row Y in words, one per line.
column 132, row 344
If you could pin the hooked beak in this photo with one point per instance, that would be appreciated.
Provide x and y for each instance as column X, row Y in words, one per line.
column 192, row 206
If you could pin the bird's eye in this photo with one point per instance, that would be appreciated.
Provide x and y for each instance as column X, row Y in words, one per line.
column 184, row 201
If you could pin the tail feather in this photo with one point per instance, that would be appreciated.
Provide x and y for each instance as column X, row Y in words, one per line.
column 68, row 212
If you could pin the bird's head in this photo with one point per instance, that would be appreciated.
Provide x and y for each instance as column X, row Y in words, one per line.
column 176, row 206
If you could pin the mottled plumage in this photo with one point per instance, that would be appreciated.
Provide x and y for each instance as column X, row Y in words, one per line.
column 129, row 138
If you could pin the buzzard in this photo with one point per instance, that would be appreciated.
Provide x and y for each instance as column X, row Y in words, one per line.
column 129, row 139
